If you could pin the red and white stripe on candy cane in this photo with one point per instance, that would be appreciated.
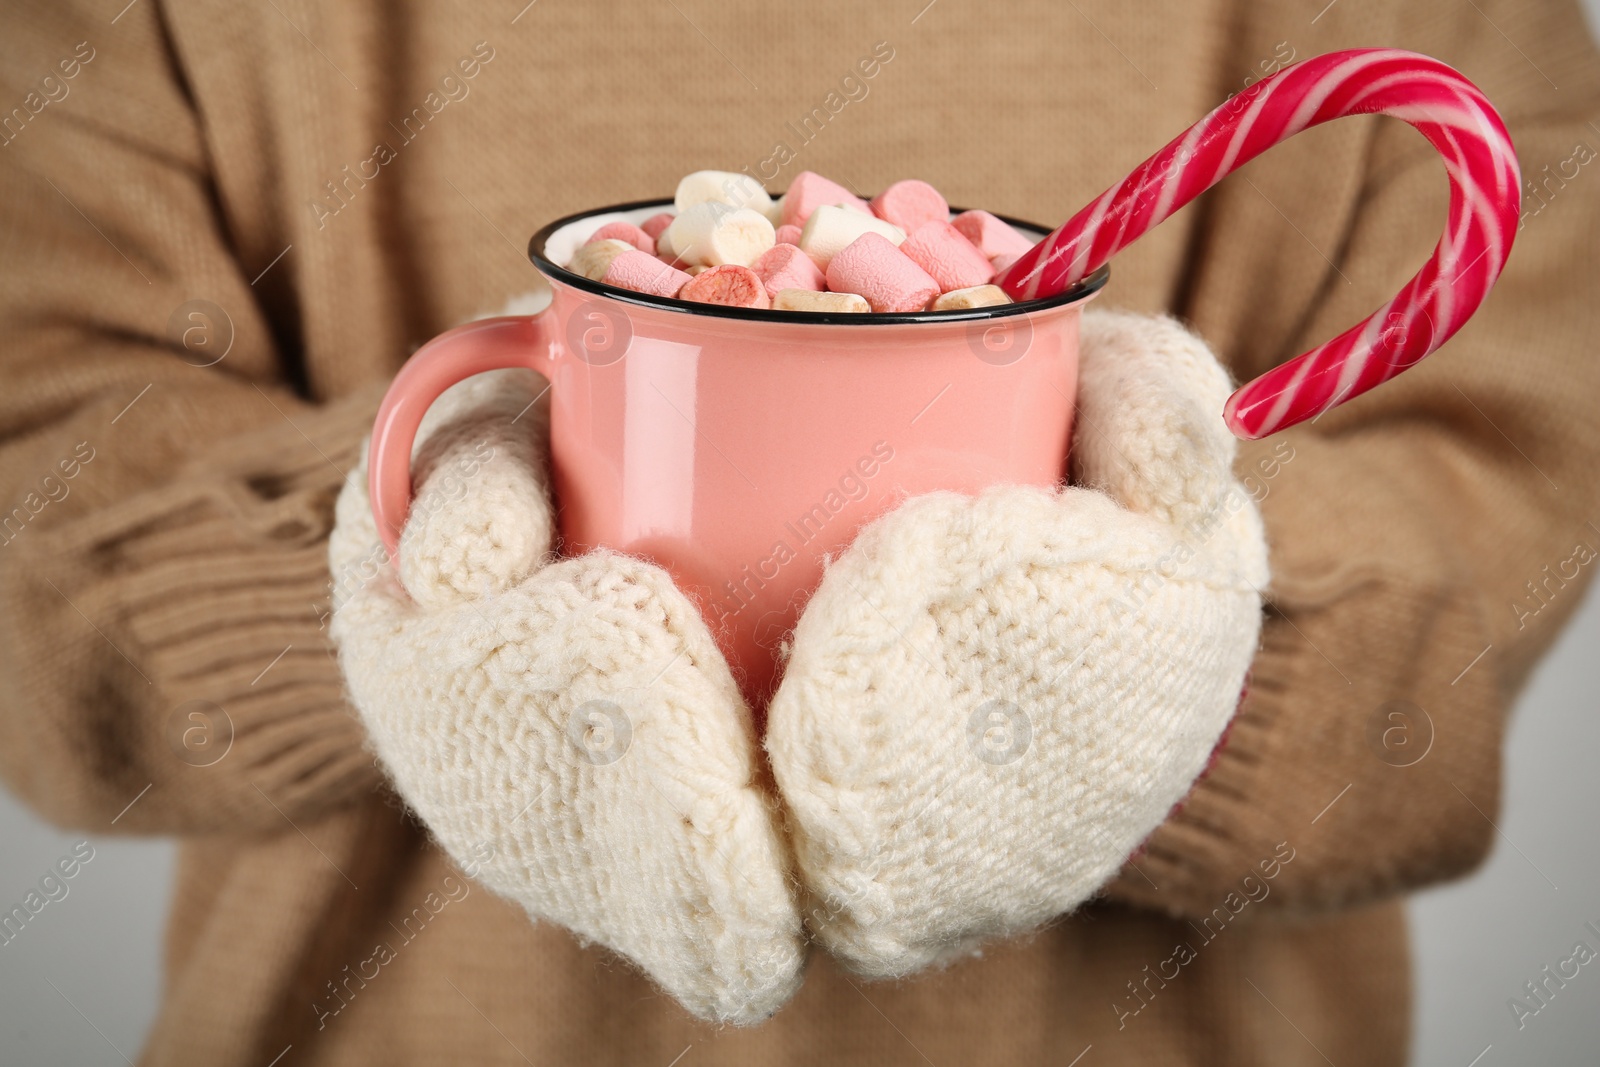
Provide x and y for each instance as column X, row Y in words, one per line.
column 1485, row 199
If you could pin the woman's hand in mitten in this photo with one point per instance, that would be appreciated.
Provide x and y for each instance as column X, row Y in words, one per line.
column 571, row 721
column 992, row 701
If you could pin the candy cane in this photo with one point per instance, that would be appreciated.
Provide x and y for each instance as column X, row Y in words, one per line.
column 1485, row 199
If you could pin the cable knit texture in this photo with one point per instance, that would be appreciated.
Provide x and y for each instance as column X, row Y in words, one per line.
column 568, row 731
column 993, row 700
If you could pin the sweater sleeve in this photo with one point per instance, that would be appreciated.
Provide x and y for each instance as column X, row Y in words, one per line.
column 167, row 494
column 1427, row 539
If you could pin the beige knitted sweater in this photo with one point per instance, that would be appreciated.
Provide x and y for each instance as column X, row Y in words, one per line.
column 338, row 182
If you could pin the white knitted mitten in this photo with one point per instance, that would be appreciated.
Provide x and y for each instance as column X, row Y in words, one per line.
column 567, row 730
column 992, row 701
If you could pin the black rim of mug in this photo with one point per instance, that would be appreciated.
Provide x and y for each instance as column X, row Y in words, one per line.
column 1084, row 289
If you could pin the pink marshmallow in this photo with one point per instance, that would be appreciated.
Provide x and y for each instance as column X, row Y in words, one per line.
column 949, row 258
column 992, row 236
column 786, row 267
column 625, row 231
column 889, row 279
column 810, row 191
column 1004, row 260
column 911, row 204
column 644, row 273
column 656, row 223
column 788, row 235
column 728, row 284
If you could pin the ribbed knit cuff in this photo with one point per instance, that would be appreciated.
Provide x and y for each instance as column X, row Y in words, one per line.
column 1374, row 713
column 176, row 654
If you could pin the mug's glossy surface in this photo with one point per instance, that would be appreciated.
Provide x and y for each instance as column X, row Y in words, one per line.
column 737, row 449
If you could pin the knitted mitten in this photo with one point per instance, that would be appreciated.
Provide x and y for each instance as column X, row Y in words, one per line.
column 567, row 730
column 992, row 701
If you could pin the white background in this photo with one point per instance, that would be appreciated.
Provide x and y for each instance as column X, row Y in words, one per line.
column 79, row 987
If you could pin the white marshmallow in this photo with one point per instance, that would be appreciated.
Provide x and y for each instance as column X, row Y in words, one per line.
column 810, row 300
column 976, row 296
column 711, row 233
column 594, row 259
column 724, row 186
column 830, row 229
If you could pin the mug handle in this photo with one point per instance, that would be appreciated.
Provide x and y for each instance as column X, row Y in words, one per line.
column 455, row 355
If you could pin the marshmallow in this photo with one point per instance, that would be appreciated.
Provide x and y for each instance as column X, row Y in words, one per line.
column 656, row 223
column 949, row 258
column 872, row 266
column 711, row 233
column 1004, row 260
column 810, row 191
column 729, row 284
column 787, row 235
column 787, row 267
column 910, row 204
column 811, row 300
column 625, row 231
column 992, row 236
column 724, row 187
column 644, row 273
column 774, row 213
column 664, row 247
column 592, row 259
column 979, row 296
column 830, row 229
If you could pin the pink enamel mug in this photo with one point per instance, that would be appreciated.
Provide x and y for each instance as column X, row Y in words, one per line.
column 739, row 448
